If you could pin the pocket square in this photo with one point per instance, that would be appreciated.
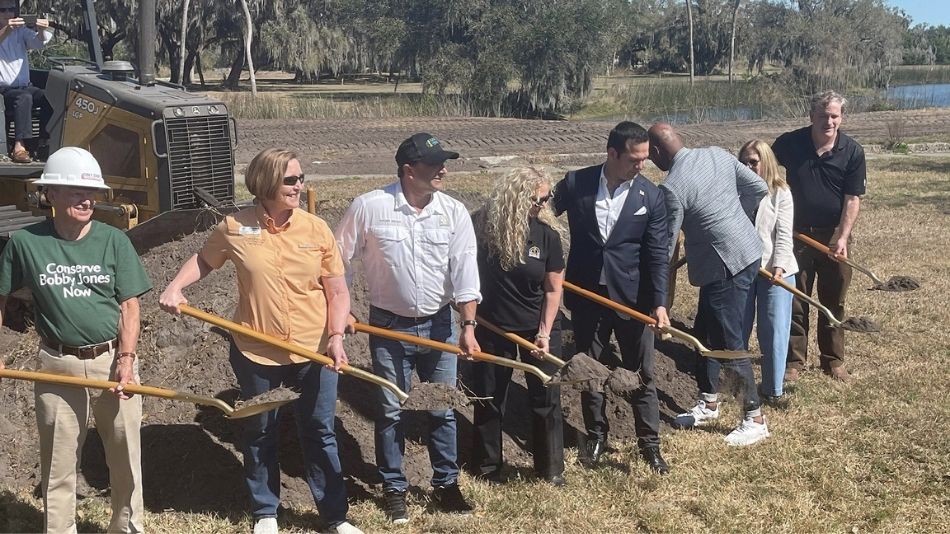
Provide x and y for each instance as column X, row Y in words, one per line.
column 641, row 211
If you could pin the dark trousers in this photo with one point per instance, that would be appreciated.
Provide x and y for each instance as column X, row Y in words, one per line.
column 721, row 311
column 21, row 101
column 547, row 421
column 833, row 279
column 593, row 325
column 315, row 411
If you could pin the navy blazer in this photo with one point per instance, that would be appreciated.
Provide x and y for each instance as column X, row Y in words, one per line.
column 634, row 258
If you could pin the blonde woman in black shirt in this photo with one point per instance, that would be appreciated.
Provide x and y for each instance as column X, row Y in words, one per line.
column 521, row 266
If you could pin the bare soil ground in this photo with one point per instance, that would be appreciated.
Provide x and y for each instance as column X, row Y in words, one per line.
column 359, row 147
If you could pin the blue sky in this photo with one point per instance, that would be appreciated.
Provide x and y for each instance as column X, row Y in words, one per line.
column 932, row 12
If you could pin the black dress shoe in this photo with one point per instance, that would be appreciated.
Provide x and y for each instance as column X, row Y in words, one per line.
column 593, row 450
column 651, row 455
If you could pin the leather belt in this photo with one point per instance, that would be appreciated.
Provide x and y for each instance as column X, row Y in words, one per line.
column 86, row 352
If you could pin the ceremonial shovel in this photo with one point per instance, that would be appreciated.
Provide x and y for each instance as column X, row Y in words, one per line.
column 643, row 318
column 894, row 283
column 310, row 355
column 246, row 410
column 446, row 347
column 854, row 324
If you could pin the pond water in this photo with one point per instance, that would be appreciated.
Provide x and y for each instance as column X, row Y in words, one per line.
column 920, row 95
column 900, row 97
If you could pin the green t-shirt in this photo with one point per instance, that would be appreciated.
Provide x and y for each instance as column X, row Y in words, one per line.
column 77, row 285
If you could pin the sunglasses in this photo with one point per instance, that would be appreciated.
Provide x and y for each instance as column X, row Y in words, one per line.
column 541, row 201
column 293, row 180
column 750, row 162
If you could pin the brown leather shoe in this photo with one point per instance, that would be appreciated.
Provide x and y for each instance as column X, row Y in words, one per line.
column 21, row 155
column 839, row 373
column 792, row 374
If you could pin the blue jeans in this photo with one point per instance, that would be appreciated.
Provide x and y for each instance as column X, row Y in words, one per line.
column 773, row 305
column 395, row 360
column 721, row 309
column 314, row 411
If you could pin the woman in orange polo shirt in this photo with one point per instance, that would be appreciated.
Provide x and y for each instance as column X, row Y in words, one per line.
column 290, row 286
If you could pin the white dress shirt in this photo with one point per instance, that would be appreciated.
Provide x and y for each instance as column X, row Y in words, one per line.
column 415, row 262
column 607, row 209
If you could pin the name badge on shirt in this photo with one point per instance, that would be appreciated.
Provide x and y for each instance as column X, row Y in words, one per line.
column 534, row 252
column 250, row 230
column 311, row 246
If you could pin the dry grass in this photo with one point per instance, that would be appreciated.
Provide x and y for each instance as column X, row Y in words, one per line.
column 872, row 455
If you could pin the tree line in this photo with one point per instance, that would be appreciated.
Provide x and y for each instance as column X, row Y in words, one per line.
column 520, row 56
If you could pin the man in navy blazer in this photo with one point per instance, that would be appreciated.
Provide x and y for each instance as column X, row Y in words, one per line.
column 618, row 249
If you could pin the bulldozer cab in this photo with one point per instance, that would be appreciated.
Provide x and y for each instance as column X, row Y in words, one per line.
column 161, row 148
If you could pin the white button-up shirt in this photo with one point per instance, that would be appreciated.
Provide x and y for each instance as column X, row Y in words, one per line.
column 607, row 209
column 415, row 262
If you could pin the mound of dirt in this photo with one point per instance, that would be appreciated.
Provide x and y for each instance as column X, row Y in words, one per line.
column 899, row 283
column 191, row 460
column 860, row 324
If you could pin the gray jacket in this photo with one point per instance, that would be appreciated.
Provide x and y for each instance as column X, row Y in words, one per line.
column 713, row 198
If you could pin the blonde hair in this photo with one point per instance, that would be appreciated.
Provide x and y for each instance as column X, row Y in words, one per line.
column 768, row 166
column 502, row 223
column 265, row 173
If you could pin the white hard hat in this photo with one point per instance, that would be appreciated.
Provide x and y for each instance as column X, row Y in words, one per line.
column 74, row 167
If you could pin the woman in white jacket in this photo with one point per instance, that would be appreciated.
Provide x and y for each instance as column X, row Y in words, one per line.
column 773, row 304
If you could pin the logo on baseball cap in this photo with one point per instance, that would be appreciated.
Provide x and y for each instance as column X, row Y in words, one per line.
column 425, row 148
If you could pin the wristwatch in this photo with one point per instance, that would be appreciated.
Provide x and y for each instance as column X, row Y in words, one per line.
column 468, row 322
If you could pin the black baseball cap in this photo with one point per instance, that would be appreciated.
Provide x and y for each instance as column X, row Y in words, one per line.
column 425, row 148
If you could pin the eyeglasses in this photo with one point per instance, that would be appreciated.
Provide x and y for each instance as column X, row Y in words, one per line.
column 540, row 201
column 750, row 162
column 293, row 180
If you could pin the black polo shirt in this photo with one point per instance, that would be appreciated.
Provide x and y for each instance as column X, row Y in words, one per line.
column 819, row 184
column 512, row 299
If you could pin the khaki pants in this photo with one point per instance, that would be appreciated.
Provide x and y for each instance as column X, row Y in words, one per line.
column 62, row 417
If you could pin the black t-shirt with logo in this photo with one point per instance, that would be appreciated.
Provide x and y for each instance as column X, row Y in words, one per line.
column 819, row 183
column 512, row 299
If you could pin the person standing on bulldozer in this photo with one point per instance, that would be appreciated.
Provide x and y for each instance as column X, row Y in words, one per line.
column 86, row 280
column 17, row 37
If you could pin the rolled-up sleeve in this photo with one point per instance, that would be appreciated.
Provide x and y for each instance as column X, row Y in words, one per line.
column 463, row 261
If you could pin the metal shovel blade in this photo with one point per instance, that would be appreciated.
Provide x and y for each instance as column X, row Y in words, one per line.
column 256, row 408
column 729, row 354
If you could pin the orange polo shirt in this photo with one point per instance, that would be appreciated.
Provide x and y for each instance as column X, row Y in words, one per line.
column 279, row 272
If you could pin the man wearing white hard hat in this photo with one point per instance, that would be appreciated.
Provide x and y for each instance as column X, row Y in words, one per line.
column 86, row 278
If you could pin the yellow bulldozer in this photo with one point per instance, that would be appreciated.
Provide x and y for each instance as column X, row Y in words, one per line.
column 164, row 151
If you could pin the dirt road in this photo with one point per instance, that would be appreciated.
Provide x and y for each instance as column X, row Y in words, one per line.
column 349, row 147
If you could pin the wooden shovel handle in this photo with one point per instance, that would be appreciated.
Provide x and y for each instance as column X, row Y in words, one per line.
column 616, row 306
column 425, row 342
column 816, row 245
column 520, row 341
column 78, row 381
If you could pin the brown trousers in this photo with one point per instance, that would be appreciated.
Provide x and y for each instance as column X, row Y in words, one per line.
column 832, row 279
column 62, row 418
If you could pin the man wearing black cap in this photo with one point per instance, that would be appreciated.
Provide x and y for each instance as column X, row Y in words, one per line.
column 417, row 247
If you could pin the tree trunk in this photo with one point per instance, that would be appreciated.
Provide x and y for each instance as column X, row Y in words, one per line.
column 188, row 66
column 184, row 39
column 234, row 76
column 692, row 59
column 201, row 74
column 732, row 40
column 248, row 36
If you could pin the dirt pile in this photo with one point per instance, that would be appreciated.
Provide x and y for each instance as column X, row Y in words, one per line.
column 860, row 324
column 190, row 454
column 898, row 283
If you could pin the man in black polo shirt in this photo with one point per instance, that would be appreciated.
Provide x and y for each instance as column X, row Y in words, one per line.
column 827, row 174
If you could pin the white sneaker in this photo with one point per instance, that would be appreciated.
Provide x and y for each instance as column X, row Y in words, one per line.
column 346, row 528
column 699, row 415
column 266, row 525
column 748, row 432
